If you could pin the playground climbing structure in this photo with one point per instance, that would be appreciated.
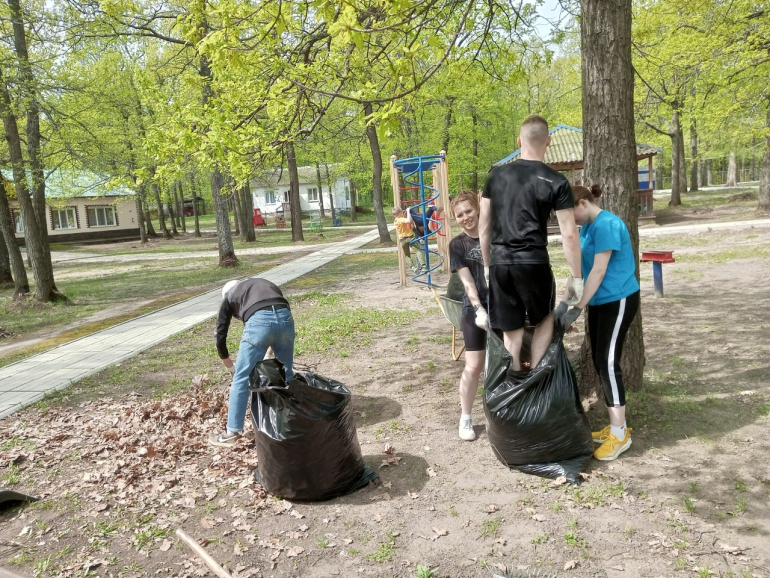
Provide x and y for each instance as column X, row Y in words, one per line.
column 421, row 182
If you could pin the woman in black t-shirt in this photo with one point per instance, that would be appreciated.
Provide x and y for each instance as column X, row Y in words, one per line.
column 465, row 259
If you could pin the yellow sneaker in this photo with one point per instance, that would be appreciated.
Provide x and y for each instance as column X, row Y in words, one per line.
column 612, row 447
column 601, row 435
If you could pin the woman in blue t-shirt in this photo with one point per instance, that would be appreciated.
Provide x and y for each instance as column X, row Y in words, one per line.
column 612, row 291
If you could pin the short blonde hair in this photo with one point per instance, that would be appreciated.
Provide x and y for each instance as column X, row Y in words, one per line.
column 534, row 131
column 465, row 196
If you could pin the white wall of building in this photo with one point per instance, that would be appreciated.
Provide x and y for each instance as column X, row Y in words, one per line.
column 109, row 214
column 270, row 199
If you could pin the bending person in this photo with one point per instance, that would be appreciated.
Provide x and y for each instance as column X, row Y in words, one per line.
column 267, row 322
column 612, row 291
column 465, row 259
column 517, row 202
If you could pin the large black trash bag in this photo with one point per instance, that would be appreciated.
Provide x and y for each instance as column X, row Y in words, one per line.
column 535, row 421
column 305, row 435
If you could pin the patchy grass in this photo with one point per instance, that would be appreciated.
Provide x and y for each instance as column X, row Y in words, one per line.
column 162, row 282
column 343, row 269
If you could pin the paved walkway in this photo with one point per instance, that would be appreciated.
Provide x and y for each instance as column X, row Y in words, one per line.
column 28, row 381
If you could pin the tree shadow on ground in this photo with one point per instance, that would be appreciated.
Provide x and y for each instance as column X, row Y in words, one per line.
column 700, row 422
column 369, row 410
column 396, row 480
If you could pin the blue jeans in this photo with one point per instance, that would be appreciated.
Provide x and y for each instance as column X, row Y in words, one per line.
column 264, row 329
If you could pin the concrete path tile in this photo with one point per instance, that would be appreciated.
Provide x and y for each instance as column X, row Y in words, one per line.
column 27, row 381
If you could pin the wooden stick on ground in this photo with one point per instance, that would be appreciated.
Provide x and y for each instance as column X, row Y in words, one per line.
column 202, row 554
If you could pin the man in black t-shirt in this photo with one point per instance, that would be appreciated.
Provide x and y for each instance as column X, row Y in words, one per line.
column 516, row 203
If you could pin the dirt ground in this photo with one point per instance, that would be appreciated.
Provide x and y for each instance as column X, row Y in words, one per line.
column 118, row 469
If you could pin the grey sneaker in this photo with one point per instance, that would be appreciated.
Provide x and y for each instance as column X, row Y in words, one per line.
column 466, row 430
column 225, row 440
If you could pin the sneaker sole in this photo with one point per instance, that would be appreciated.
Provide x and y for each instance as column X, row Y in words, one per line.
column 616, row 454
column 468, row 439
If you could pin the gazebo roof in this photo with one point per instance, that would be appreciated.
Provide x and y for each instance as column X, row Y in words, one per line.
column 566, row 149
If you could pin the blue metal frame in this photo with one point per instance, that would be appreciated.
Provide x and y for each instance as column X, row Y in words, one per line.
column 414, row 168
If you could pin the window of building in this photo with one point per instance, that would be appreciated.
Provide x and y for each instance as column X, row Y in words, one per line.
column 64, row 218
column 347, row 193
column 19, row 222
column 312, row 194
column 101, row 216
column 270, row 197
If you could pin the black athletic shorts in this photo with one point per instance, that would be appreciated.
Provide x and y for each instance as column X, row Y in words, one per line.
column 475, row 337
column 520, row 291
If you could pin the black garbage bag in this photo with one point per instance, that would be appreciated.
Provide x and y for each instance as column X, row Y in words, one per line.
column 535, row 421
column 305, row 435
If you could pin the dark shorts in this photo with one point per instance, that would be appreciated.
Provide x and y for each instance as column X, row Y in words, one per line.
column 475, row 338
column 520, row 291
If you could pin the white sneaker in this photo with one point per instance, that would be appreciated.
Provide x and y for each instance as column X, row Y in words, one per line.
column 466, row 430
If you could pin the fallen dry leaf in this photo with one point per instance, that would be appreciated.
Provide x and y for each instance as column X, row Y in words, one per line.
column 572, row 564
column 491, row 509
column 539, row 518
column 501, row 541
column 274, row 555
column 296, row 514
column 377, row 517
column 294, row 552
column 431, row 473
column 387, row 485
column 561, row 480
column 389, row 449
column 440, row 531
column 618, row 567
column 348, row 541
column 412, row 495
column 165, row 546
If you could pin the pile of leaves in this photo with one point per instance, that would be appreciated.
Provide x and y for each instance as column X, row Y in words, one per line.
column 130, row 452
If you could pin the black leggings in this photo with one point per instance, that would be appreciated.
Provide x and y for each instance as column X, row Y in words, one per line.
column 607, row 326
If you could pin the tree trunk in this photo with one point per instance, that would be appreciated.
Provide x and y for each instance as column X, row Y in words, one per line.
column 695, row 164
column 161, row 216
column 321, row 190
column 172, row 211
column 682, row 162
column 374, row 145
column 702, row 174
column 295, row 202
column 6, row 277
column 329, row 183
column 609, row 147
column 732, row 171
column 676, row 162
column 676, row 196
column 224, row 237
column 764, row 177
column 9, row 241
column 353, row 215
column 36, row 240
column 447, row 124
column 148, row 221
column 140, row 218
column 182, row 214
column 235, row 202
column 709, row 174
column 475, row 152
column 247, row 209
column 195, row 190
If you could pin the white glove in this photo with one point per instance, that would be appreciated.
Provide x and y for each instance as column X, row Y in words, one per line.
column 486, row 275
column 482, row 319
column 231, row 369
column 575, row 287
